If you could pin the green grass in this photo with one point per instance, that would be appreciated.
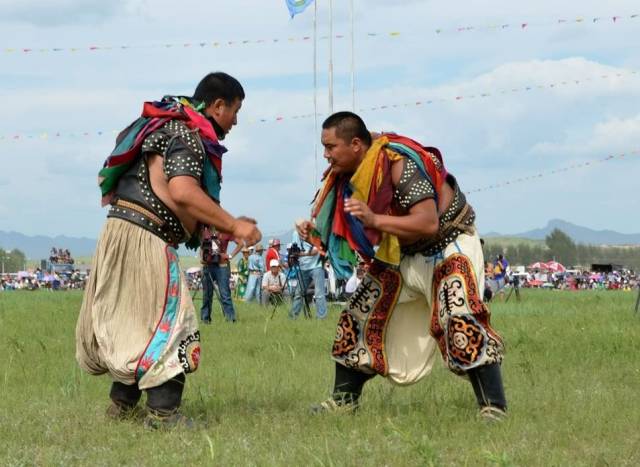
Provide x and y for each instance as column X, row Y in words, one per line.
column 571, row 375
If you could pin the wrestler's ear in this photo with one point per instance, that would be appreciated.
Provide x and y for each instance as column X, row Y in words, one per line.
column 217, row 106
column 356, row 144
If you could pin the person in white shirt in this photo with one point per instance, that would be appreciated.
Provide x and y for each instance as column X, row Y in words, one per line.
column 353, row 282
column 273, row 283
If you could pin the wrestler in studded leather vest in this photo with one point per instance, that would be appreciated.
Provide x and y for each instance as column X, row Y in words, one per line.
column 135, row 201
column 456, row 219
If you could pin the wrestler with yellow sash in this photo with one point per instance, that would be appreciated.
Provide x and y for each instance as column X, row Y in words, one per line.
column 391, row 201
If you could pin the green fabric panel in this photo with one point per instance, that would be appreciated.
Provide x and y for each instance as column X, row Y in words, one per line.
column 130, row 138
column 324, row 220
column 211, row 179
column 111, row 176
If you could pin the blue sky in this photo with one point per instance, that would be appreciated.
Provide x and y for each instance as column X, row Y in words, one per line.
column 48, row 185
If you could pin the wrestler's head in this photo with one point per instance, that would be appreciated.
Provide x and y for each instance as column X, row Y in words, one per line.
column 345, row 139
column 222, row 96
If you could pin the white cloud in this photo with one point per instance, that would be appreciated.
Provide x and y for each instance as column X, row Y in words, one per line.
column 613, row 136
column 51, row 13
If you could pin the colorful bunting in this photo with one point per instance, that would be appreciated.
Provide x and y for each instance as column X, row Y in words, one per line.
column 280, row 118
column 581, row 165
column 519, row 25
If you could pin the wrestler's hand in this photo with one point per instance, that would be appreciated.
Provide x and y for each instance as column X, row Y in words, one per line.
column 304, row 228
column 360, row 210
column 246, row 231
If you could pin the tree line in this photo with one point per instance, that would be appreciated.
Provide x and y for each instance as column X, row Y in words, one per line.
column 12, row 261
column 558, row 246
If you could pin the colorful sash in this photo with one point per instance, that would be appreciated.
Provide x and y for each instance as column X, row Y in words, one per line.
column 154, row 116
column 344, row 234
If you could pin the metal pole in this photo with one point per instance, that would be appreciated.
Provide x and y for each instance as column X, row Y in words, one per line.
column 353, row 64
column 330, row 56
column 315, row 95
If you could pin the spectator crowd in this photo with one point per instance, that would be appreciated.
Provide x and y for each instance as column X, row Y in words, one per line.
column 39, row 279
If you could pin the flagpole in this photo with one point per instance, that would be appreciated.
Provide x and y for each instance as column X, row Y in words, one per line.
column 353, row 64
column 330, row 56
column 315, row 94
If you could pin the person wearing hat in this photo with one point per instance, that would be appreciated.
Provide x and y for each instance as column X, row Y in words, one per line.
column 243, row 273
column 273, row 283
column 256, row 269
column 274, row 252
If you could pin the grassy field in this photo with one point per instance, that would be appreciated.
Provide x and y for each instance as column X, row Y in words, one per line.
column 570, row 372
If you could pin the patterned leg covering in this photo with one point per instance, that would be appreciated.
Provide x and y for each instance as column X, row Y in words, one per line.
column 124, row 399
column 487, row 385
column 460, row 319
column 360, row 337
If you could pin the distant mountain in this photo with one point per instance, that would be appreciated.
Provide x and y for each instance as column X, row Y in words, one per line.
column 578, row 233
column 38, row 247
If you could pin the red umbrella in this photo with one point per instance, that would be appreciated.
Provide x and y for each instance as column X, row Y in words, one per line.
column 538, row 265
column 554, row 266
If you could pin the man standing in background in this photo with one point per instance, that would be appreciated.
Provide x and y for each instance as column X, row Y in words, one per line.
column 216, row 270
column 307, row 260
column 256, row 270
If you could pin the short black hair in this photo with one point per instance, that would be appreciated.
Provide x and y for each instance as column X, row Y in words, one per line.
column 348, row 126
column 218, row 85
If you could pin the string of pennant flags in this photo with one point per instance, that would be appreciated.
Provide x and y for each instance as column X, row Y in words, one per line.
column 514, row 25
column 539, row 175
column 415, row 103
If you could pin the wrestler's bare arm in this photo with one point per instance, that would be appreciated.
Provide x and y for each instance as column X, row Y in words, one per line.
column 191, row 204
column 186, row 192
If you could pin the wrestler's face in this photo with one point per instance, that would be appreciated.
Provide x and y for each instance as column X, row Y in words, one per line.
column 343, row 156
column 225, row 115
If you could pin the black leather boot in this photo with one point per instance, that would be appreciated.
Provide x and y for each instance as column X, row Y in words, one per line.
column 346, row 391
column 487, row 385
column 163, row 403
column 124, row 401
